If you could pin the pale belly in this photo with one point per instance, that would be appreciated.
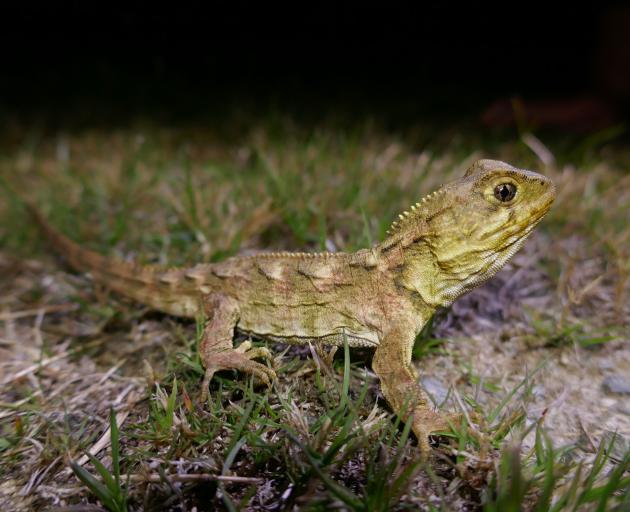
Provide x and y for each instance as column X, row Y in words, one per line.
column 315, row 323
column 339, row 338
column 299, row 306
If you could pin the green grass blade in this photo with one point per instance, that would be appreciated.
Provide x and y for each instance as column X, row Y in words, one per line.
column 97, row 488
column 240, row 426
column 545, row 457
column 115, row 440
column 227, row 464
column 497, row 410
column 346, row 372
column 344, row 494
column 170, row 405
column 569, row 496
column 107, row 477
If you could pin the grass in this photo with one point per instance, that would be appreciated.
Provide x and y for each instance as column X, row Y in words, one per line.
column 85, row 372
column 110, row 491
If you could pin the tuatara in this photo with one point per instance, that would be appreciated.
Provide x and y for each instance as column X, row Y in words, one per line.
column 448, row 243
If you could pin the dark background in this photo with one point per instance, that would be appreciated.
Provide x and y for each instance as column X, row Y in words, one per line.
column 442, row 59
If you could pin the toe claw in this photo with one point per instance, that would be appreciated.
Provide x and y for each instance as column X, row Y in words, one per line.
column 244, row 347
column 239, row 359
column 263, row 377
column 205, row 385
column 266, row 375
column 259, row 352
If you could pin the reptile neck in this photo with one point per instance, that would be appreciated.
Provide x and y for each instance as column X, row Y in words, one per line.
column 409, row 257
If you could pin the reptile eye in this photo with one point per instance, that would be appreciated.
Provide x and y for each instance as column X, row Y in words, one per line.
column 505, row 192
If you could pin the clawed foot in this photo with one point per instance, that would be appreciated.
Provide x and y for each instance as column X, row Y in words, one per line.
column 427, row 422
column 239, row 359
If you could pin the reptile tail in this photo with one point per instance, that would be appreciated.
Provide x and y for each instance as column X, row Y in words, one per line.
column 154, row 286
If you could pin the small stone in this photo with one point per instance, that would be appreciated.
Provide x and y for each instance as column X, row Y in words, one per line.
column 620, row 446
column 565, row 360
column 539, row 392
column 616, row 384
column 434, row 388
column 624, row 408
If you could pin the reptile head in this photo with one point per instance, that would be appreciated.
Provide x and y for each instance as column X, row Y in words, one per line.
column 468, row 229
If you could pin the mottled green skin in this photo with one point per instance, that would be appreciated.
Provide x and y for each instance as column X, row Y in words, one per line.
column 448, row 243
column 297, row 297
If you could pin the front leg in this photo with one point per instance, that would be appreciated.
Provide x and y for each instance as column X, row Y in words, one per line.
column 217, row 350
column 400, row 386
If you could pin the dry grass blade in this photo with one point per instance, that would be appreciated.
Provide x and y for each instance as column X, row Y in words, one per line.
column 53, row 308
column 564, row 299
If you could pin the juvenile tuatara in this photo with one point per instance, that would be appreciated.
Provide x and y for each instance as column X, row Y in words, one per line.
column 448, row 243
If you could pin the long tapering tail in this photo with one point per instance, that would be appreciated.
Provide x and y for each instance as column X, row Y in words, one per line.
column 160, row 288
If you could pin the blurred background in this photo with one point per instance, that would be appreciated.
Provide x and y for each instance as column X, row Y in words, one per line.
column 551, row 66
column 180, row 136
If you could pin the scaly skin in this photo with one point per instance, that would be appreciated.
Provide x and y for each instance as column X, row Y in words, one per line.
column 450, row 242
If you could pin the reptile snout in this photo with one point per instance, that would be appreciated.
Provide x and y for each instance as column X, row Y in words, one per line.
column 545, row 186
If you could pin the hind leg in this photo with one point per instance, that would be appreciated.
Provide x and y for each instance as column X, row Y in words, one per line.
column 217, row 349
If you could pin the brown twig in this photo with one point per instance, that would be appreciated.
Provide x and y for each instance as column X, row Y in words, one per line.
column 192, row 477
column 53, row 308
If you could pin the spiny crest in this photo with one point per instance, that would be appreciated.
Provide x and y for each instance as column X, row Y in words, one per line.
column 293, row 255
column 170, row 276
column 416, row 211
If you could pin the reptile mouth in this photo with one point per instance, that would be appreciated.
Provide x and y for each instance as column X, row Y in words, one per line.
column 544, row 208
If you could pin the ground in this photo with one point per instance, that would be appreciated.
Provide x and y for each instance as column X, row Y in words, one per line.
column 541, row 352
